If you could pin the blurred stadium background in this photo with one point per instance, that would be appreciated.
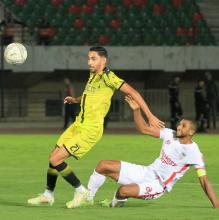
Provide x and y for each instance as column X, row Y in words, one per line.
column 149, row 41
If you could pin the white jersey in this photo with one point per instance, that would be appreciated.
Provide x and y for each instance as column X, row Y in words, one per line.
column 175, row 158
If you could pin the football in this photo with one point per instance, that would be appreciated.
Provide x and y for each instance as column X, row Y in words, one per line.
column 15, row 53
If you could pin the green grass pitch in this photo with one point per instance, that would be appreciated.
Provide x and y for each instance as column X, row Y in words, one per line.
column 23, row 165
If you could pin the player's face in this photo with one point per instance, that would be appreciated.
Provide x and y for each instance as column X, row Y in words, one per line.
column 183, row 129
column 96, row 63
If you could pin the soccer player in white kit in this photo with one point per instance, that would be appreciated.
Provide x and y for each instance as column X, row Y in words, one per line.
column 177, row 155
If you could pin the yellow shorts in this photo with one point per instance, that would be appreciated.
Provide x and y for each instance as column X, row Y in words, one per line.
column 78, row 139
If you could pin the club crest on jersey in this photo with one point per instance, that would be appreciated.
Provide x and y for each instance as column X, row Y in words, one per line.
column 168, row 142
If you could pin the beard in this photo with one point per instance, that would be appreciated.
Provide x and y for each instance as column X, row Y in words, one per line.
column 180, row 135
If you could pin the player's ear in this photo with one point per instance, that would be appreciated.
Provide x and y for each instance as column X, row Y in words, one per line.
column 191, row 132
column 104, row 59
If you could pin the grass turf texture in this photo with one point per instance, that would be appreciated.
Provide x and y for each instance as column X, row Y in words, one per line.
column 24, row 160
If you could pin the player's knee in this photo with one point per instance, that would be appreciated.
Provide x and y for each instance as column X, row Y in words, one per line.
column 102, row 167
column 123, row 191
column 53, row 161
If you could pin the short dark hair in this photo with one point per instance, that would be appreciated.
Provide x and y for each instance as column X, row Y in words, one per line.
column 193, row 125
column 100, row 50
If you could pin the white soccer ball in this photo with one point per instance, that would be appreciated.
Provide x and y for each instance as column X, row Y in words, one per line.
column 15, row 53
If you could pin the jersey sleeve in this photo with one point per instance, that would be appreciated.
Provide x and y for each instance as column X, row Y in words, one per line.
column 195, row 158
column 166, row 133
column 112, row 80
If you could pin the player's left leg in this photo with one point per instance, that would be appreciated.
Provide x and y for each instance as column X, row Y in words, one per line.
column 137, row 182
column 110, row 168
column 123, row 193
column 147, row 191
column 57, row 160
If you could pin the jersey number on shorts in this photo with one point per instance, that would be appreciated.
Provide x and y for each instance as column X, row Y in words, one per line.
column 74, row 148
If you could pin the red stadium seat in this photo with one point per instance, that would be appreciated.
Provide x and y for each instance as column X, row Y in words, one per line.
column 196, row 17
column 47, row 32
column 74, row 9
column 103, row 40
column 110, row 9
column 20, row 2
column 115, row 23
column 87, row 9
column 180, row 31
column 78, row 23
column 56, row 3
column 140, row 3
column 127, row 3
column 92, row 2
column 177, row 3
column 158, row 9
column 190, row 32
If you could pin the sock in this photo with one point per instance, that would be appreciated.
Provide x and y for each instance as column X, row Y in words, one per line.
column 80, row 189
column 116, row 201
column 67, row 173
column 48, row 193
column 52, row 175
column 95, row 182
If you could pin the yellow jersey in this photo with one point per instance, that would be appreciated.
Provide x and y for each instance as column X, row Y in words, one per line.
column 96, row 98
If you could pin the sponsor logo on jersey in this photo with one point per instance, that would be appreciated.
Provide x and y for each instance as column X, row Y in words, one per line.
column 166, row 159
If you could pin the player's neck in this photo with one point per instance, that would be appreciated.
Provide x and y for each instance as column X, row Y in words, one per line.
column 185, row 140
column 98, row 72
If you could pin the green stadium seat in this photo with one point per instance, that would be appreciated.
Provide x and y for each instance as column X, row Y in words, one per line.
column 159, row 40
column 122, row 12
column 170, row 40
column 147, row 39
column 135, row 39
column 56, row 41
column 182, row 41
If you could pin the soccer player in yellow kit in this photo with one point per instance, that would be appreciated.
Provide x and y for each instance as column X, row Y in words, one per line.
column 87, row 130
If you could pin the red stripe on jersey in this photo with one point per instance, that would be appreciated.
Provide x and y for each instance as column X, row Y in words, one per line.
column 174, row 174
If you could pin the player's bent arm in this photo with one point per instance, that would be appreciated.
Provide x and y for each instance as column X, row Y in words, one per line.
column 126, row 88
column 143, row 126
column 78, row 99
column 72, row 100
column 208, row 189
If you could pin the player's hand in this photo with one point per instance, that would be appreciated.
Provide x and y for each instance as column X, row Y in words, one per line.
column 69, row 100
column 132, row 103
column 155, row 122
column 216, row 206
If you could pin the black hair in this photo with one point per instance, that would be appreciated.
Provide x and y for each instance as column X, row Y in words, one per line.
column 193, row 125
column 100, row 50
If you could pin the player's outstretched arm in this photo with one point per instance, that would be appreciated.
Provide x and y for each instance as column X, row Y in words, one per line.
column 154, row 121
column 141, row 124
column 72, row 100
column 208, row 189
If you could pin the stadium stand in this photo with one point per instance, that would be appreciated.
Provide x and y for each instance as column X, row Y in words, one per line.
column 113, row 22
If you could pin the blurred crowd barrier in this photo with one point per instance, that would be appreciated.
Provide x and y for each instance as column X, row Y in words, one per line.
column 40, row 106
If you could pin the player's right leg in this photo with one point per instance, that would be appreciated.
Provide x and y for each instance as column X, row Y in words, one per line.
column 48, row 196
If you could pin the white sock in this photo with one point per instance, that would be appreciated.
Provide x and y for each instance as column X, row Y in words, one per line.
column 48, row 193
column 115, row 201
column 95, row 182
column 81, row 189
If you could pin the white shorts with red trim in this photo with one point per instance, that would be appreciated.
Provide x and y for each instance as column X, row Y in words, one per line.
column 149, row 184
